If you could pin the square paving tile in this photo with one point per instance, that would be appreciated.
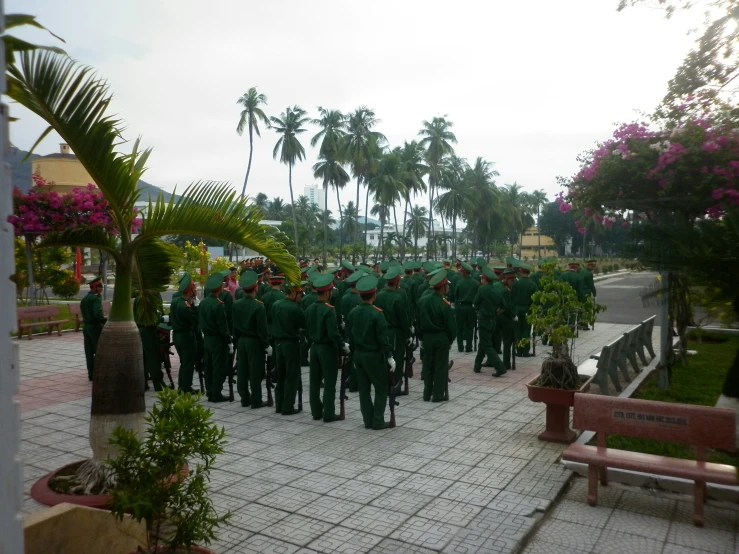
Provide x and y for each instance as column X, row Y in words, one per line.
column 426, row 532
column 297, row 529
column 714, row 517
column 712, row 540
column 580, row 512
column 571, row 535
column 330, row 510
column 392, row 546
column 402, row 501
column 260, row 544
column 318, row 482
column 256, row 517
column 281, row 474
column 425, row 484
column 289, row 499
column 472, row 494
column 375, row 520
column 389, row 477
column 502, row 524
column 617, row 542
column 249, row 489
column 647, row 503
column 471, row 541
column 357, row 491
column 518, row 504
column 638, row 524
column 450, row 511
column 341, row 540
column 539, row 546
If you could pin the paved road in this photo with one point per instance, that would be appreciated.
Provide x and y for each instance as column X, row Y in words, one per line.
column 620, row 294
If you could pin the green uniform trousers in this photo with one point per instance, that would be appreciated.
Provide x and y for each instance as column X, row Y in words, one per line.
column 506, row 336
column 485, row 348
column 522, row 330
column 324, row 364
column 372, row 372
column 303, row 349
column 187, row 349
column 397, row 344
column 250, row 364
column 215, row 364
column 435, row 365
column 91, row 334
column 466, row 318
column 152, row 359
column 351, row 382
column 287, row 362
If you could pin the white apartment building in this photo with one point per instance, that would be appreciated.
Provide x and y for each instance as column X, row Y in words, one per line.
column 314, row 194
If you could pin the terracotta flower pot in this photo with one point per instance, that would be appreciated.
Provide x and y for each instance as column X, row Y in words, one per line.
column 164, row 549
column 42, row 493
column 558, row 402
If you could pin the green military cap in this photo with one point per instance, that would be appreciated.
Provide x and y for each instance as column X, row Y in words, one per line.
column 509, row 271
column 392, row 274
column 481, row 262
column 185, row 282
column 214, row 281
column 467, row 267
column 394, row 263
column 323, row 282
column 297, row 286
column 526, row 267
column 364, row 267
column 429, row 267
column 542, row 261
column 367, row 284
column 436, row 271
column 332, row 271
column 489, row 274
column 516, row 263
column 407, row 267
column 164, row 326
column 439, row 279
column 446, row 261
column 574, row 264
column 97, row 280
column 499, row 268
column 248, row 279
column 224, row 273
column 356, row 276
column 509, row 260
column 347, row 265
column 384, row 266
column 438, row 265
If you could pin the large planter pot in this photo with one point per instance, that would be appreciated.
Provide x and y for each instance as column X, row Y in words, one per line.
column 42, row 493
column 165, row 550
column 558, row 404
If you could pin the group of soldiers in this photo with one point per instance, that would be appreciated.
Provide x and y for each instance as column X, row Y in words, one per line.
column 353, row 326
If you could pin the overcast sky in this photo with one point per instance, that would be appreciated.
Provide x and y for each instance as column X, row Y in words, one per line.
column 528, row 84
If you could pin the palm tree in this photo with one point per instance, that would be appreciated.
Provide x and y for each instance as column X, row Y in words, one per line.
column 517, row 210
column 73, row 101
column 289, row 125
column 276, row 209
column 438, row 140
column 329, row 169
column 483, row 211
column 413, row 169
column 417, row 225
column 361, row 145
column 250, row 117
column 538, row 199
column 388, row 188
column 261, row 200
column 453, row 202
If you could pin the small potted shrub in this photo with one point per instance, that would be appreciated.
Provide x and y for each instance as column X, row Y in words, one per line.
column 554, row 314
column 154, row 483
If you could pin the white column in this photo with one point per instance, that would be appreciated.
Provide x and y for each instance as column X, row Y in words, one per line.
column 11, row 489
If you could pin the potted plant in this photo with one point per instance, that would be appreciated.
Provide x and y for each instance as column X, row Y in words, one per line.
column 153, row 482
column 554, row 315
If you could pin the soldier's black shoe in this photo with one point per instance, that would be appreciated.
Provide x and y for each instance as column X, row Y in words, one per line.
column 353, row 390
column 403, row 393
column 426, row 398
column 477, row 369
column 245, row 405
column 316, row 418
column 291, row 411
column 469, row 349
column 439, row 399
column 460, row 349
column 218, row 398
column 384, row 425
column 258, row 405
column 500, row 373
column 331, row 419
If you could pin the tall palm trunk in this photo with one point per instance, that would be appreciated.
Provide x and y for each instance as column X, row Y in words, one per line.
column 395, row 218
column 366, row 213
column 430, row 230
column 454, row 235
column 341, row 227
column 248, row 167
column 292, row 203
column 382, row 233
column 355, row 236
column 538, row 230
column 325, row 225
column 405, row 219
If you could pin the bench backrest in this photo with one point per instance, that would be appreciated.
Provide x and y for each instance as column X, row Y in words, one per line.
column 701, row 426
column 37, row 312
column 75, row 308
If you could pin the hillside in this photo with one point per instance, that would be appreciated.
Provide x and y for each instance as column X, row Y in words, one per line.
column 21, row 175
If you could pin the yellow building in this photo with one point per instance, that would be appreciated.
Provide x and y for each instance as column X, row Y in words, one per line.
column 534, row 245
column 63, row 168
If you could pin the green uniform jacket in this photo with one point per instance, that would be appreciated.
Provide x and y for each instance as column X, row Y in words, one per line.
column 522, row 291
column 349, row 301
column 536, row 277
column 367, row 330
column 308, row 300
column 394, row 306
column 488, row 301
column 588, row 282
column 182, row 315
column 228, row 304
column 239, row 294
column 250, row 320
column 436, row 316
column 270, row 299
column 322, row 325
column 575, row 281
column 91, row 307
column 466, row 290
column 212, row 318
column 287, row 320
column 262, row 291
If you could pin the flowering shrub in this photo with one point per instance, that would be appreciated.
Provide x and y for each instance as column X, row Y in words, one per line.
column 689, row 166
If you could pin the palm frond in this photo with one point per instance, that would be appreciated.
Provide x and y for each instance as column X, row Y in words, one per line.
column 84, row 238
column 210, row 209
column 73, row 101
column 154, row 263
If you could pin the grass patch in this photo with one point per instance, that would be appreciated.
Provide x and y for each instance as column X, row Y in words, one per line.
column 698, row 382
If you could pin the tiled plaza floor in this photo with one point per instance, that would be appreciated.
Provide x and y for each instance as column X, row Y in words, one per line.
column 464, row 476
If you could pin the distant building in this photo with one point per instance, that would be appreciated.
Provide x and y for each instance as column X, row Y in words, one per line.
column 63, row 168
column 535, row 245
column 315, row 195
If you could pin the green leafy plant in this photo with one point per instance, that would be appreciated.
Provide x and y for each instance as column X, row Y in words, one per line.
column 66, row 286
column 152, row 480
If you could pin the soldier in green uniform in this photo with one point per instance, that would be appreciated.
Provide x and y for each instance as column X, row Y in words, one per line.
column 369, row 341
column 488, row 303
column 505, row 319
column 350, row 301
column 149, row 341
column 217, row 340
column 93, row 320
column 588, row 284
column 324, row 343
column 521, row 294
column 438, row 331
column 287, row 321
column 573, row 277
column 464, row 311
column 394, row 305
column 476, row 269
column 184, row 321
column 252, row 341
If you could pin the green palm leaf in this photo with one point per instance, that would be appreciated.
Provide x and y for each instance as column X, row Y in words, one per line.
column 154, row 263
column 85, row 238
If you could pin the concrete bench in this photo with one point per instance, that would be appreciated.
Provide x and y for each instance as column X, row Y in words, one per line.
column 700, row 426
column 628, row 352
column 608, row 366
column 644, row 340
column 75, row 310
column 47, row 316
